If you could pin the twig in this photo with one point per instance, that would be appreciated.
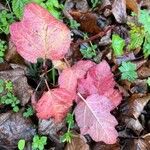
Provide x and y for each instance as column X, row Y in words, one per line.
column 94, row 37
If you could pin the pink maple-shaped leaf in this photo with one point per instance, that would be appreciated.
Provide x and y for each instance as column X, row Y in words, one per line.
column 94, row 118
column 54, row 104
column 99, row 79
column 40, row 35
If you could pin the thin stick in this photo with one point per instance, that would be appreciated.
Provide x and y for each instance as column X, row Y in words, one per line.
column 95, row 36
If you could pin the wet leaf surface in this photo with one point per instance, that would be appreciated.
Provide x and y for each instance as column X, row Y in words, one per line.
column 14, row 127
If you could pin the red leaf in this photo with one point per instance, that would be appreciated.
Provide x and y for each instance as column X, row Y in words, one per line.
column 68, row 78
column 39, row 34
column 81, row 67
column 54, row 104
column 94, row 118
column 99, row 79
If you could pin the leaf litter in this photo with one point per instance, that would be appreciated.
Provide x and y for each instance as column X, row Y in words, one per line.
column 107, row 94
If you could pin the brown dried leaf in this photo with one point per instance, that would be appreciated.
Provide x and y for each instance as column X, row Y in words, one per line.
column 103, row 146
column 88, row 21
column 14, row 127
column 119, row 10
column 12, row 55
column 77, row 143
column 136, row 105
column 21, row 88
column 143, row 72
column 138, row 144
column 132, row 4
column 51, row 129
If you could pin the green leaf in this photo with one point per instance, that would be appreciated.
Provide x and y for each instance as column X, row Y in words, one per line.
column 1, row 85
column 9, row 86
column 88, row 51
column 70, row 120
column 74, row 24
column 148, row 81
column 136, row 37
column 117, row 44
column 18, row 7
column 21, row 144
column 16, row 109
column 128, row 71
column 146, row 46
column 29, row 112
column 144, row 19
column 66, row 137
column 95, row 3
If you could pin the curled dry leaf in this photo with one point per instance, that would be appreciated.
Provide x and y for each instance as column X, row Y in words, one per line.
column 94, row 118
column 136, row 105
column 54, row 104
column 77, row 143
column 40, row 35
column 119, row 10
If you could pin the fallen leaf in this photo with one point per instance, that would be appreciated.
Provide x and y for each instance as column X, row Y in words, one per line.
column 99, row 79
column 136, row 105
column 51, row 129
column 103, row 146
column 80, row 5
column 54, row 104
column 14, row 127
column 143, row 72
column 88, row 21
column 142, row 143
column 21, row 88
column 94, row 118
column 78, row 142
column 81, row 67
column 119, row 10
column 132, row 4
column 40, row 35
column 68, row 78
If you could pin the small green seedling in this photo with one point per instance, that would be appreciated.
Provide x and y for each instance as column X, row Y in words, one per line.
column 67, row 137
column 128, row 71
column 8, row 98
column 6, row 19
column 3, row 48
column 39, row 142
column 74, row 24
column 21, row 144
column 88, row 52
column 29, row 112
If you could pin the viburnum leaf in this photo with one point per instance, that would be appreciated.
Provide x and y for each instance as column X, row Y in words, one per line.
column 68, row 78
column 54, row 104
column 94, row 118
column 40, row 35
column 99, row 79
